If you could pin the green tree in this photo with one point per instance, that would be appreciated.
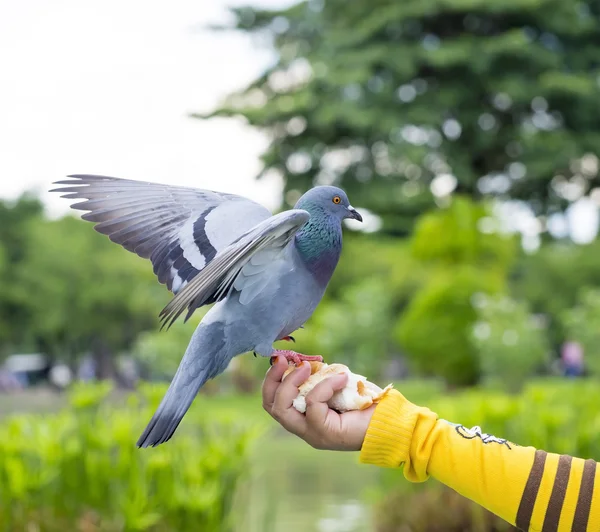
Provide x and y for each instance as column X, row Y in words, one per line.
column 464, row 256
column 552, row 279
column 161, row 351
column 511, row 343
column 403, row 102
column 464, row 233
column 83, row 293
column 582, row 324
column 354, row 329
column 15, row 220
column 434, row 330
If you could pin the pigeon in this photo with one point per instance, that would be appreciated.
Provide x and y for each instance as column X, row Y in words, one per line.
column 264, row 274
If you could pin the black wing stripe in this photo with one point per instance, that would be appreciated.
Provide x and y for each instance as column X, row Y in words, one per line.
column 201, row 238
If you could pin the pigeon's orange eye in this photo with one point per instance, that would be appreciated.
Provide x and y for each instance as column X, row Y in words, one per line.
column 337, row 199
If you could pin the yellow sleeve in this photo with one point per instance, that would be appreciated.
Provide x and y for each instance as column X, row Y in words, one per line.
column 530, row 488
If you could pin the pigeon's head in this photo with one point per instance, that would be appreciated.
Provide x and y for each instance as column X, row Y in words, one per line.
column 330, row 200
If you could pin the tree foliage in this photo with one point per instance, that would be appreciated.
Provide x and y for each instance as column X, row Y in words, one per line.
column 15, row 221
column 403, row 102
column 84, row 289
column 354, row 329
column 554, row 279
column 462, row 261
column 69, row 290
column 511, row 343
column 582, row 324
column 463, row 233
column 434, row 330
column 161, row 351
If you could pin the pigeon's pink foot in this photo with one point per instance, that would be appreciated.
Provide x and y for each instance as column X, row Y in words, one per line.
column 296, row 358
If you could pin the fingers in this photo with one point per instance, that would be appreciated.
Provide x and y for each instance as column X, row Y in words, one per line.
column 321, row 427
column 287, row 391
column 324, row 391
column 317, row 409
column 282, row 409
column 272, row 382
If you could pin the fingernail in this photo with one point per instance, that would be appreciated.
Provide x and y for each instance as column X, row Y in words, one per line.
column 340, row 378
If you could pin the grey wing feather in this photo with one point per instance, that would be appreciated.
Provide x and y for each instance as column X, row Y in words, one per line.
column 179, row 229
column 257, row 274
column 218, row 277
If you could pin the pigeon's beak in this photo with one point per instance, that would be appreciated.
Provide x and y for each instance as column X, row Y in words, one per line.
column 354, row 214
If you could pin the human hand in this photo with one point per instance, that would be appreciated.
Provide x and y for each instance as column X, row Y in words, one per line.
column 321, row 427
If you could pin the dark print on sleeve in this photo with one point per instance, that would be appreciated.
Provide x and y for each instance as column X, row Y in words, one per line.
column 475, row 432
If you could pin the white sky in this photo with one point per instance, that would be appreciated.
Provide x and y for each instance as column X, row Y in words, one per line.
column 105, row 87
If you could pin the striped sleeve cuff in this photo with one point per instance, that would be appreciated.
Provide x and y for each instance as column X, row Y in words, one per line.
column 388, row 439
column 559, row 494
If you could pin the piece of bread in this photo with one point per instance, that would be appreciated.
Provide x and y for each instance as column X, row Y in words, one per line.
column 358, row 393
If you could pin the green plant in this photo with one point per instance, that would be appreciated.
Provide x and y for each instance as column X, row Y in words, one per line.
column 582, row 324
column 80, row 468
column 353, row 330
column 511, row 344
column 548, row 281
column 435, row 329
column 162, row 351
column 465, row 232
column 465, row 255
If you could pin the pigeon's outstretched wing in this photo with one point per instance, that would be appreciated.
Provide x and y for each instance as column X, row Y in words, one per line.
column 254, row 250
column 179, row 229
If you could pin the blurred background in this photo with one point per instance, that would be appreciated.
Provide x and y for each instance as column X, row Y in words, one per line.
column 466, row 132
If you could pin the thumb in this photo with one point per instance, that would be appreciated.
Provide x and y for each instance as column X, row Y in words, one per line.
column 338, row 382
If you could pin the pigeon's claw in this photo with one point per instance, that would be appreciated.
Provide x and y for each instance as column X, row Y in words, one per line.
column 296, row 358
column 289, row 338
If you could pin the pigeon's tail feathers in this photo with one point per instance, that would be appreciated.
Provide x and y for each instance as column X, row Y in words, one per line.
column 170, row 412
column 204, row 358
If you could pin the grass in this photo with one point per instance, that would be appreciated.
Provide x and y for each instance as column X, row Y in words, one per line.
column 290, row 485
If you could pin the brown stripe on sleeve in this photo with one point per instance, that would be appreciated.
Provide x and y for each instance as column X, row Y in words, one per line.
column 531, row 490
column 584, row 501
column 557, row 497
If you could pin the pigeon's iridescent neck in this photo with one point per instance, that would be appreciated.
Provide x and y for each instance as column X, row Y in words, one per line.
column 319, row 244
